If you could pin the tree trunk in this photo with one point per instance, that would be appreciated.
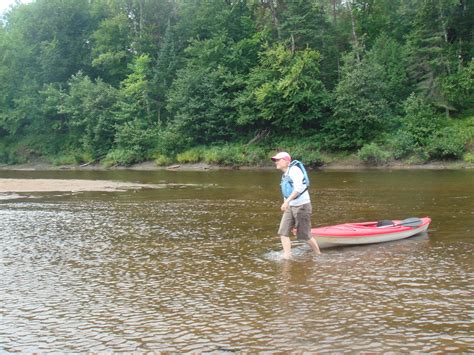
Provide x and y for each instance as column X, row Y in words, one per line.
column 273, row 8
column 354, row 34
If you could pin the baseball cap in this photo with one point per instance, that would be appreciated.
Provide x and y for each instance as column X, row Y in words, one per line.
column 282, row 155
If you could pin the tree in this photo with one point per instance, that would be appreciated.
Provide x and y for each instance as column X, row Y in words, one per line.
column 135, row 117
column 202, row 98
column 387, row 53
column 87, row 109
column 111, row 48
column 284, row 93
column 361, row 109
column 305, row 24
column 56, row 34
column 430, row 52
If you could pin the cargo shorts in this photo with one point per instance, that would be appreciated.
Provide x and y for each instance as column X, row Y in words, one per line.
column 299, row 217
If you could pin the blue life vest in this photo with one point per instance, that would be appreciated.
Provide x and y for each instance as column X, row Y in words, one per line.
column 287, row 183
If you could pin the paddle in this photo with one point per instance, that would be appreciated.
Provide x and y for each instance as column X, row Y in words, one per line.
column 409, row 222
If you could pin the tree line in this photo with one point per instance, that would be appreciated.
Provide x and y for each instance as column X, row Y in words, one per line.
column 226, row 81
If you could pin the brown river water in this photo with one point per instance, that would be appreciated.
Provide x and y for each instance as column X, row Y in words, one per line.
column 194, row 265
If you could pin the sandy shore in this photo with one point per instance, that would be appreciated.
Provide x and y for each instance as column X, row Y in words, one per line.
column 59, row 185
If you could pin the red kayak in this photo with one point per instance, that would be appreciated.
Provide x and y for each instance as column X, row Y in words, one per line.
column 369, row 232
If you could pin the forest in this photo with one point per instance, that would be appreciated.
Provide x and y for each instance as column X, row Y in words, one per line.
column 230, row 82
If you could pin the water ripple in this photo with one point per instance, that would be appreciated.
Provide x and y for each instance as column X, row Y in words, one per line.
column 186, row 275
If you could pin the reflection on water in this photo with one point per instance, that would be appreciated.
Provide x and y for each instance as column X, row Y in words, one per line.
column 198, row 267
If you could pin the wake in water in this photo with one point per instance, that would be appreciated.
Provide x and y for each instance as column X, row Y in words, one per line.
column 298, row 251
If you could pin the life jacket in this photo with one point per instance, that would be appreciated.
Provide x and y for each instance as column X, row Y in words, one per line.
column 287, row 183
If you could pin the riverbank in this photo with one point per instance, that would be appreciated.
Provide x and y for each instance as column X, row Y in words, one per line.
column 347, row 164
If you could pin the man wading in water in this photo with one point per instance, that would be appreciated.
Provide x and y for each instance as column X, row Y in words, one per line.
column 296, row 205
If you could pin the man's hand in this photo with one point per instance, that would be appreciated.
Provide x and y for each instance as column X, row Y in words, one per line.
column 285, row 206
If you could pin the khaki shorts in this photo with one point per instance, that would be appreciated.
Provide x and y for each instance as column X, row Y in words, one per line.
column 299, row 217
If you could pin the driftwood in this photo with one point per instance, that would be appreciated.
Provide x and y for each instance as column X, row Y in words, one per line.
column 258, row 136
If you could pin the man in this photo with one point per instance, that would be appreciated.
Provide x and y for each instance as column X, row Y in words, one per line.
column 296, row 205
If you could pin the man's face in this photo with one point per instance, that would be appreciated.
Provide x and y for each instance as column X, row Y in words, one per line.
column 282, row 164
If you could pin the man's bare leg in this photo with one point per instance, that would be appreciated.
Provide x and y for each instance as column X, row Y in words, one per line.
column 286, row 243
column 314, row 245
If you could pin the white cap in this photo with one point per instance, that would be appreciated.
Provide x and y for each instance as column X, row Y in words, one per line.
column 282, row 155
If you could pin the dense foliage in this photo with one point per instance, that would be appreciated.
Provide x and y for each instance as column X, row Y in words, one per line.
column 229, row 81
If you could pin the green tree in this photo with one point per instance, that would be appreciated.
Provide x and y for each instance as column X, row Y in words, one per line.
column 430, row 57
column 284, row 93
column 56, row 33
column 135, row 101
column 111, row 48
column 305, row 24
column 361, row 109
column 387, row 53
column 223, row 46
column 459, row 88
column 87, row 109
column 164, row 72
column 136, row 121
column 202, row 98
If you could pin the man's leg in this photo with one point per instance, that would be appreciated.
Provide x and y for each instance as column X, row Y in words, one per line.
column 286, row 243
column 286, row 224
column 303, row 222
column 314, row 245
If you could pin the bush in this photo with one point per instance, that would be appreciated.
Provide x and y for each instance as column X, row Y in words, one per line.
column 193, row 155
column 66, row 159
column 162, row 160
column 421, row 120
column 372, row 154
column 235, row 154
column 447, row 144
column 4, row 154
column 310, row 158
column 226, row 155
column 307, row 150
column 403, row 145
column 71, row 157
column 469, row 158
column 212, row 155
column 419, row 156
column 170, row 142
column 121, row 157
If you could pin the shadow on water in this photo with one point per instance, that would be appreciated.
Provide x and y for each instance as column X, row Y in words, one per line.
column 197, row 266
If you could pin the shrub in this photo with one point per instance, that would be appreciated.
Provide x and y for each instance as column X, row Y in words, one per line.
column 193, row 155
column 447, row 144
column 421, row 120
column 469, row 158
column 211, row 155
column 419, row 157
column 162, row 160
column 372, row 154
column 403, row 145
column 170, row 141
column 137, row 141
column 307, row 150
column 121, row 157
column 231, row 155
column 235, row 154
column 66, row 159
column 72, row 157
column 4, row 154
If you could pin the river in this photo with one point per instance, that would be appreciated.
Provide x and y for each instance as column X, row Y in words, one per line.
column 195, row 265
